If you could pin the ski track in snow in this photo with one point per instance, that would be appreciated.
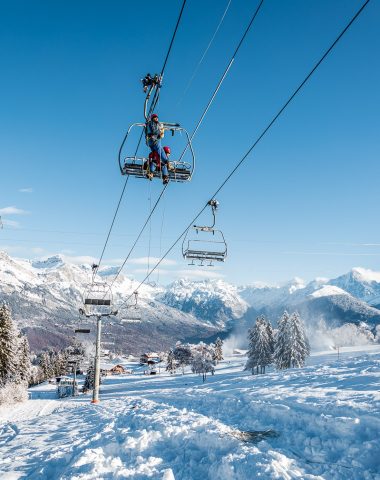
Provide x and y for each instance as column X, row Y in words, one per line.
column 327, row 417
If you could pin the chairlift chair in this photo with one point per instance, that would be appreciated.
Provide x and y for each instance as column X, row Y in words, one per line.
column 181, row 170
column 206, row 249
column 201, row 246
column 97, row 300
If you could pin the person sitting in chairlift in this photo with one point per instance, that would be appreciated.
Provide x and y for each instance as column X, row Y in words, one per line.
column 159, row 164
column 154, row 131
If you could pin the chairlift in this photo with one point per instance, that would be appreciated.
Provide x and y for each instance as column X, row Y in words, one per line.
column 97, row 300
column 180, row 170
column 204, row 243
column 134, row 306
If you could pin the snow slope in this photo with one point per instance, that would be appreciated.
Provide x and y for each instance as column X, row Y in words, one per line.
column 321, row 422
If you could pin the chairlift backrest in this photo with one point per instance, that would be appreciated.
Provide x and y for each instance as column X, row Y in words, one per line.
column 97, row 299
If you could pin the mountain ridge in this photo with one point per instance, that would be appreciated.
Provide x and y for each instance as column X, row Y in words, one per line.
column 45, row 295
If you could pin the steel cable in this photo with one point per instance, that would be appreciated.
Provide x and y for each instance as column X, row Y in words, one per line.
column 266, row 129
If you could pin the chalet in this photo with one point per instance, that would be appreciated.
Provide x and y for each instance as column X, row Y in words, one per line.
column 117, row 370
column 107, row 369
column 150, row 358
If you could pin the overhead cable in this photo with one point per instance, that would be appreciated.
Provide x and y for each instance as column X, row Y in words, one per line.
column 264, row 132
column 212, row 96
column 138, row 145
column 222, row 78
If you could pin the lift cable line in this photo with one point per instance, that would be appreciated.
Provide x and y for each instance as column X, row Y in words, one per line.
column 199, row 123
column 222, row 79
column 110, row 229
column 138, row 145
column 156, row 95
column 205, row 52
column 264, row 132
column 138, row 236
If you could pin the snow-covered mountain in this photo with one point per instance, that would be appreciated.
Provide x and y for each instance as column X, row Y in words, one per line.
column 362, row 283
column 214, row 301
column 45, row 296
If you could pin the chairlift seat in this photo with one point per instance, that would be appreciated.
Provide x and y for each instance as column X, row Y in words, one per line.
column 97, row 301
column 180, row 171
column 203, row 255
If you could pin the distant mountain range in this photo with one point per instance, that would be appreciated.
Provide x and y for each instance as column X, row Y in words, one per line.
column 45, row 297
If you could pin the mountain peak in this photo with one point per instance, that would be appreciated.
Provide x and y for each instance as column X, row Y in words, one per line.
column 365, row 275
column 49, row 262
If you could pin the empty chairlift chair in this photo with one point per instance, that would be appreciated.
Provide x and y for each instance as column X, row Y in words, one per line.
column 205, row 244
column 97, row 300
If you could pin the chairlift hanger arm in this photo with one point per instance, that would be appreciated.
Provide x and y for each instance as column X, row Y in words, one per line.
column 213, row 203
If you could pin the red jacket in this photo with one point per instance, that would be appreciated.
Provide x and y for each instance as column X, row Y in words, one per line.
column 154, row 157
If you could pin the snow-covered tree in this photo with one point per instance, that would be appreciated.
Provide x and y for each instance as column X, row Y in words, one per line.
column 270, row 334
column 171, row 363
column 24, row 363
column 299, row 343
column 45, row 365
column 218, row 350
column 8, row 347
column 260, row 346
column 13, row 387
column 89, row 381
column 292, row 346
column 182, row 355
column 60, row 363
column 203, row 363
column 281, row 350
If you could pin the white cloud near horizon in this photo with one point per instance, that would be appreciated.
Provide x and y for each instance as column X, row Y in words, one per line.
column 183, row 273
column 166, row 262
column 80, row 259
column 199, row 273
column 26, row 190
column 12, row 211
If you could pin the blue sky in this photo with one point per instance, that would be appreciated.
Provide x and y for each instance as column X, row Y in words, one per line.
column 305, row 203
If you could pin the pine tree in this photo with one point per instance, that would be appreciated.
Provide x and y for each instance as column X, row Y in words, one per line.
column 8, row 347
column 218, row 350
column 292, row 346
column 45, row 365
column 89, row 381
column 260, row 346
column 25, row 365
column 300, row 347
column 282, row 345
column 171, row 364
column 270, row 334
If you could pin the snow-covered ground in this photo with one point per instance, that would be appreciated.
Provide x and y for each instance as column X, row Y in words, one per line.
column 320, row 422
